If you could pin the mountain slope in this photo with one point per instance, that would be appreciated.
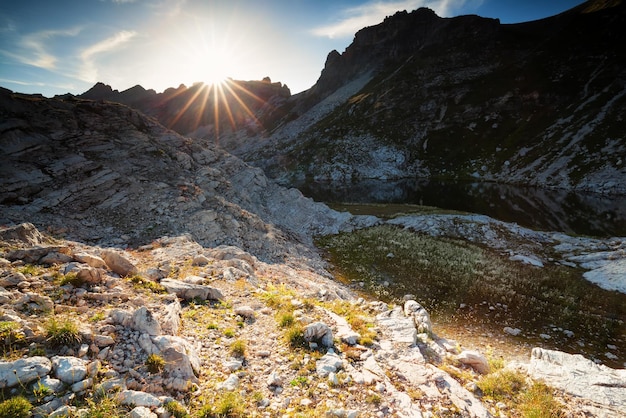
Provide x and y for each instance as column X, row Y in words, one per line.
column 539, row 103
column 92, row 170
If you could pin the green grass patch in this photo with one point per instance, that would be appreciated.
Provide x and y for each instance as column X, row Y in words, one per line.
column 17, row 407
column 60, row 333
column 391, row 262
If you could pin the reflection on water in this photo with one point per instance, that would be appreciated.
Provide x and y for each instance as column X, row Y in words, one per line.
column 532, row 207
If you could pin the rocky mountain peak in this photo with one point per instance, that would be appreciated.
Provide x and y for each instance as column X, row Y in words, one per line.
column 397, row 36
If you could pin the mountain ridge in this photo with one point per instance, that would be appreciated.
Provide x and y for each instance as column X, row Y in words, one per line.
column 536, row 103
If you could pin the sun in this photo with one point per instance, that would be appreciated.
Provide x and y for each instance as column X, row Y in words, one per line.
column 214, row 64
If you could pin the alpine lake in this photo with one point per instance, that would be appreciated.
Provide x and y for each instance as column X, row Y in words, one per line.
column 473, row 292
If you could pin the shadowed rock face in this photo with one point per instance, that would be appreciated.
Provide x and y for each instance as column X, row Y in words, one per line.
column 94, row 170
column 538, row 103
column 231, row 106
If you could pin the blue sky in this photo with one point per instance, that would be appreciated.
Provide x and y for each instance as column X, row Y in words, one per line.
column 59, row 46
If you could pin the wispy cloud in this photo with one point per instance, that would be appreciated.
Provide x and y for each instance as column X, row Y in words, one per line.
column 89, row 70
column 169, row 8
column 123, row 1
column 35, row 48
column 354, row 18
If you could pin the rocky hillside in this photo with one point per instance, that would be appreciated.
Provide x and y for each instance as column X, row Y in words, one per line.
column 90, row 170
column 418, row 95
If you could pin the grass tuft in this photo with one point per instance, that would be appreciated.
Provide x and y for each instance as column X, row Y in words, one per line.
column 62, row 333
column 155, row 363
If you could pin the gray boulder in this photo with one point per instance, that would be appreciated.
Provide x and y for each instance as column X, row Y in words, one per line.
column 400, row 327
column 328, row 363
column 475, row 360
column 90, row 259
column 118, row 264
column 23, row 371
column 189, row 291
column 144, row 322
column 69, row 369
column 25, row 233
column 133, row 397
column 319, row 331
column 420, row 316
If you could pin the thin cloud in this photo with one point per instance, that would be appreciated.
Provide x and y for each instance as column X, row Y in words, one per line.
column 89, row 71
column 368, row 14
column 35, row 49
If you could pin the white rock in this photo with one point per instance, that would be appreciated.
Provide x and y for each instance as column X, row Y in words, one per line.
column 118, row 264
column 103, row 340
column 200, row 260
column 69, row 369
column 512, row 331
column 82, row 385
column 133, row 397
column 580, row 377
column 230, row 384
column 475, row 360
column 142, row 412
column 233, row 365
column 401, row 328
column 144, row 321
column 245, row 311
column 420, row 316
column 90, row 260
column 319, row 332
column 181, row 358
column 63, row 411
column 328, row 363
column 90, row 275
column 274, row 379
column 23, row 371
column 333, row 380
column 51, row 384
column 189, row 291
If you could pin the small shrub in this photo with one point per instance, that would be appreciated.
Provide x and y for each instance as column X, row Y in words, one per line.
column 228, row 404
column 373, row 398
column 97, row 317
column 103, row 408
column 147, row 284
column 17, row 407
column 538, row 402
column 229, row 333
column 238, row 348
column 300, row 381
column 502, row 385
column 286, row 320
column 155, row 363
column 176, row 409
column 62, row 333
column 10, row 334
column 30, row 270
column 71, row 278
column 40, row 391
column 212, row 325
column 295, row 336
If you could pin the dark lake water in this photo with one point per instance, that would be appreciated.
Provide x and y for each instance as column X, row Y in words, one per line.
column 531, row 207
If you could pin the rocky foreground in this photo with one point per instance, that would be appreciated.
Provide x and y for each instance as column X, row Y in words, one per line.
column 221, row 322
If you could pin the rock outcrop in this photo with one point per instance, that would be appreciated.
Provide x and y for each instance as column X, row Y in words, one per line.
column 91, row 171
